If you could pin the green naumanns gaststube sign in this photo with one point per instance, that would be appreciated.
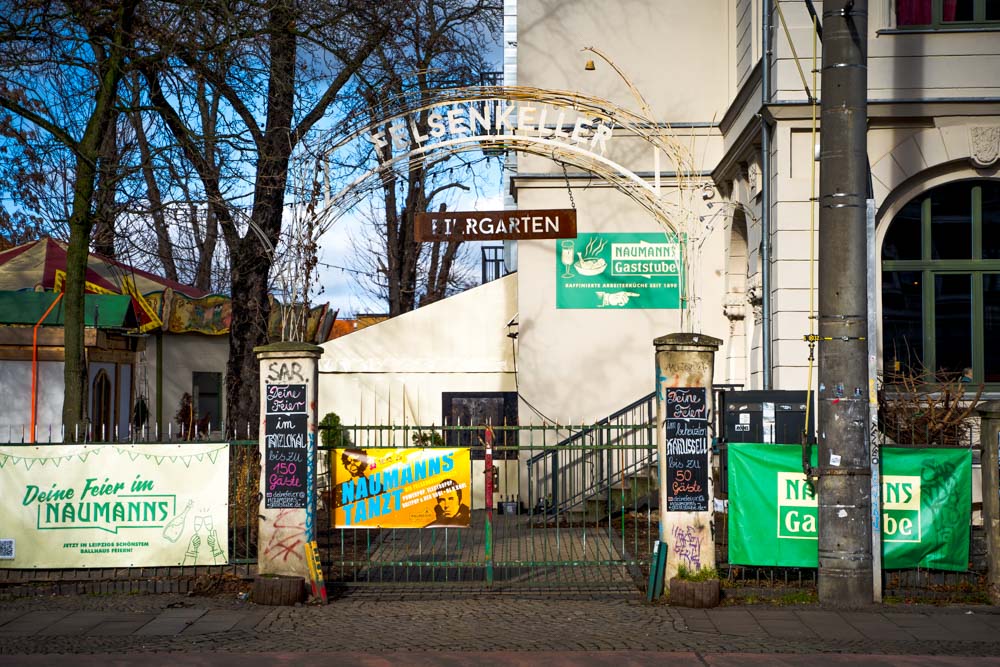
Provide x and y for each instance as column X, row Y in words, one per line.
column 926, row 507
column 613, row 271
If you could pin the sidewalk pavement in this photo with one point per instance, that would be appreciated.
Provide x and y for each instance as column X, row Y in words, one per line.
column 441, row 627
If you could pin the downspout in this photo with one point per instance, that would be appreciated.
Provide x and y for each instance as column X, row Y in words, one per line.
column 765, row 195
column 34, row 366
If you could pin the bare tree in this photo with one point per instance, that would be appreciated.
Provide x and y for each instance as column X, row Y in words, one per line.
column 443, row 43
column 60, row 68
column 285, row 65
column 171, row 228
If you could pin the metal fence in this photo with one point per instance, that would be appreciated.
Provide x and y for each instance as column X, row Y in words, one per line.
column 243, row 501
column 244, row 504
column 565, row 515
column 575, row 508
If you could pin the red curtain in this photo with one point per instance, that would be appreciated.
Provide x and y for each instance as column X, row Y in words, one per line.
column 914, row 12
column 918, row 12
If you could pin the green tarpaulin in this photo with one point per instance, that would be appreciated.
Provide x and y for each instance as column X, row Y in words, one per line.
column 926, row 507
column 104, row 311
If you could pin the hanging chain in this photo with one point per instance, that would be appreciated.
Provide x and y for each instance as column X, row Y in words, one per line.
column 572, row 202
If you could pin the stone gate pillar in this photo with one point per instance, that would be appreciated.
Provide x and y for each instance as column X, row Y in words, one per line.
column 289, row 383
column 684, row 414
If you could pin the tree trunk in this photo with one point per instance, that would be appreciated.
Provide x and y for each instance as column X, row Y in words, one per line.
column 104, row 198
column 81, row 222
column 206, row 252
column 75, row 368
column 247, row 330
column 252, row 263
column 164, row 246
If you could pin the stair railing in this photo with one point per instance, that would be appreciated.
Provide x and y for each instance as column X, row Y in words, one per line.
column 587, row 463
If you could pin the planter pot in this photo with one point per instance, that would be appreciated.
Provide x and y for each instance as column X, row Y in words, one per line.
column 272, row 589
column 697, row 594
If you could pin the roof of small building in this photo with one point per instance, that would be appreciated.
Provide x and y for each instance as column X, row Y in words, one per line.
column 39, row 263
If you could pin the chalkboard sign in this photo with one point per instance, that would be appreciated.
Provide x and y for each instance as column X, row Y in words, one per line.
column 286, row 446
column 286, row 398
column 687, row 449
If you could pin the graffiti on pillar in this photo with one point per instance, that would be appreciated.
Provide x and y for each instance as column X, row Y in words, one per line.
column 287, row 537
column 687, row 546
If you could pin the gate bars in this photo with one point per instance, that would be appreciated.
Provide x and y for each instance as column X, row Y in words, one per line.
column 573, row 508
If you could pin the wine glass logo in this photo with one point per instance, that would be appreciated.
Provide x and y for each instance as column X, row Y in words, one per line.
column 567, row 258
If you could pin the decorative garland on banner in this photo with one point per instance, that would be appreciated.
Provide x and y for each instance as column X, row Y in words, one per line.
column 70, row 506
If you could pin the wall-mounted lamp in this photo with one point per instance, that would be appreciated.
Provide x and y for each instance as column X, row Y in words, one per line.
column 589, row 66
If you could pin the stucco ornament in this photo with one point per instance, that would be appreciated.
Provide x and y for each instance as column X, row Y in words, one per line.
column 755, row 297
column 734, row 307
column 985, row 144
column 753, row 177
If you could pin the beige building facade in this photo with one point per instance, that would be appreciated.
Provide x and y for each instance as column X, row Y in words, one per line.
column 699, row 68
column 933, row 141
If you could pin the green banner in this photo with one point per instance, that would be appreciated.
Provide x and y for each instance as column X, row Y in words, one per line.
column 114, row 505
column 614, row 271
column 926, row 507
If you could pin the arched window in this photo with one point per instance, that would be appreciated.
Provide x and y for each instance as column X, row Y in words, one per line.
column 941, row 282
column 102, row 406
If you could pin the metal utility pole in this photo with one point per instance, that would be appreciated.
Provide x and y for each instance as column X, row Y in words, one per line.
column 845, row 541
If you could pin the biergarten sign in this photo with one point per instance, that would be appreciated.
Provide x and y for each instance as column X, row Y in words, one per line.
column 495, row 225
column 70, row 506
column 926, row 507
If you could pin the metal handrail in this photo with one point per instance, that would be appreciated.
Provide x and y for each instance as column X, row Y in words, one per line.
column 552, row 475
column 601, row 479
column 606, row 421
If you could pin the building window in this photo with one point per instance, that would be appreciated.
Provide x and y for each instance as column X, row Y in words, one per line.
column 206, row 398
column 947, row 13
column 941, row 283
column 476, row 409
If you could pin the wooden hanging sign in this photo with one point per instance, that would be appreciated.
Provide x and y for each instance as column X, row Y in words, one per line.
column 550, row 223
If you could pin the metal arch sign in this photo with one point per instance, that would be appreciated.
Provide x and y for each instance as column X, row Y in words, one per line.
column 566, row 127
column 503, row 118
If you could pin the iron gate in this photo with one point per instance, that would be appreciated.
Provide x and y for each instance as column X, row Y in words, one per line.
column 573, row 508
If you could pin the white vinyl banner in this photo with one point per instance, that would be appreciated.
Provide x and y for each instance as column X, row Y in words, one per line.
column 114, row 505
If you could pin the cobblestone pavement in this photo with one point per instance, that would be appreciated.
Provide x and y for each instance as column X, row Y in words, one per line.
column 443, row 621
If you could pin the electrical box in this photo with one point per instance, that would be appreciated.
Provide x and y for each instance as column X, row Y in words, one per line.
column 772, row 417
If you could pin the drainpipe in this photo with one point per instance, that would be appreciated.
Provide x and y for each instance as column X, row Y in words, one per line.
column 765, row 195
column 34, row 366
